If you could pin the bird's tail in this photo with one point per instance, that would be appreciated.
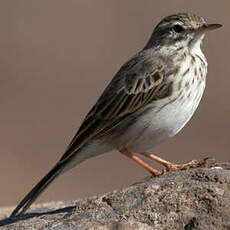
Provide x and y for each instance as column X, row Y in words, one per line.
column 37, row 190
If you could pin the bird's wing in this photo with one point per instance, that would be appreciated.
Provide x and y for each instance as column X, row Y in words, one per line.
column 139, row 82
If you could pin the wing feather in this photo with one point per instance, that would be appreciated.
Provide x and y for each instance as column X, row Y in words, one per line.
column 133, row 87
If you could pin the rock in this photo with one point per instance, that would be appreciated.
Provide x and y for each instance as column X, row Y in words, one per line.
column 191, row 199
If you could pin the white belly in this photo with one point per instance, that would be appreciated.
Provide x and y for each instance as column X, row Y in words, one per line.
column 157, row 125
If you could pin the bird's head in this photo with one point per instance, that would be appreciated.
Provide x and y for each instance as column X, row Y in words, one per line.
column 180, row 30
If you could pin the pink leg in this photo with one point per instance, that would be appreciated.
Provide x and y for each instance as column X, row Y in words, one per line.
column 131, row 156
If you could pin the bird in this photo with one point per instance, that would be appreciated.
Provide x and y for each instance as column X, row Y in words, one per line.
column 149, row 100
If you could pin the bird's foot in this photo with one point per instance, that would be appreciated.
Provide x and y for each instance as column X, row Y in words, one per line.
column 206, row 162
column 192, row 164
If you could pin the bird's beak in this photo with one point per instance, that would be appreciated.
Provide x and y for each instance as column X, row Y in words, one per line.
column 206, row 28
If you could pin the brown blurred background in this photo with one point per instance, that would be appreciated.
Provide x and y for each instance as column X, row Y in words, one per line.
column 57, row 56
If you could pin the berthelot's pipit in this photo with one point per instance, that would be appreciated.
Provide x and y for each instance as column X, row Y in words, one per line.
column 149, row 100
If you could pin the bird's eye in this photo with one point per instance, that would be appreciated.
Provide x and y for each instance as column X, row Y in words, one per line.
column 178, row 28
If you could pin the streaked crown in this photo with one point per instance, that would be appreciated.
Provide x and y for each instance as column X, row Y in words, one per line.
column 183, row 20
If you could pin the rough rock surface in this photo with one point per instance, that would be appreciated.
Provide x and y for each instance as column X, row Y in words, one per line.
column 191, row 199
